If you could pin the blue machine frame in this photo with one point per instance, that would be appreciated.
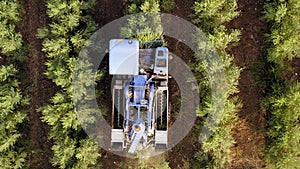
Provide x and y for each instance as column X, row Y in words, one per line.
column 140, row 96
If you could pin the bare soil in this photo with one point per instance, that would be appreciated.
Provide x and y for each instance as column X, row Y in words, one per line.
column 249, row 134
column 294, row 73
column 106, row 11
column 182, row 9
column 39, row 88
column 182, row 156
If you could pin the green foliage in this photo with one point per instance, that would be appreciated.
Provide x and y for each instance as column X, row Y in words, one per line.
column 69, row 30
column 202, row 160
column 167, row 4
column 284, row 130
column 148, row 6
column 60, row 115
column 212, row 13
column 221, row 38
column 284, row 39
column 71, row 149
column 12, row 101
column 266, row 73
column 64, row 151
column 161, row 165
column 65, row 37
column 147, row 26
column 211, row 17
column 137, row 6
column 218, row 146
column 13, row 159
column 10, row 40
column 71, row 154
column 156, row 162
column 11, row 116
column 87, row 155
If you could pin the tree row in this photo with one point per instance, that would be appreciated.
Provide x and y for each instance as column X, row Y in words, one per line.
column 12, row 100
column 218, row 80
column 70, row 28
column 282, row 103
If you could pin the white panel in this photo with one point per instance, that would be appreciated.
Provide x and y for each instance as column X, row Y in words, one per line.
column 123, row 57
column 161, row 60
column 117, row 135
column 161, row 136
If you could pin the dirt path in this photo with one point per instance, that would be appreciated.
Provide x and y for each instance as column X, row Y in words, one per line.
column 182, row 156
column 106, row 11
column 183, row 9
column 39, row 88
column 249, row 130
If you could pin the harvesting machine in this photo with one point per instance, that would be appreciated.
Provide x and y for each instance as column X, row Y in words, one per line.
column 139, row 95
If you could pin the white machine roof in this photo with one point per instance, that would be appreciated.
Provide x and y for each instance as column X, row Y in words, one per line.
column 123, row 57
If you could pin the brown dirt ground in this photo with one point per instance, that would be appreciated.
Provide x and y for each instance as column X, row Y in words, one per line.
column 249, row 135
column 182, row 9
column 182, row 156
column 106, row 11
column 294, row 73
column 39, row 88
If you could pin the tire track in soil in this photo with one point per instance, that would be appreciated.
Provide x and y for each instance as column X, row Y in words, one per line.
column 39, row 88
column 249, row 135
